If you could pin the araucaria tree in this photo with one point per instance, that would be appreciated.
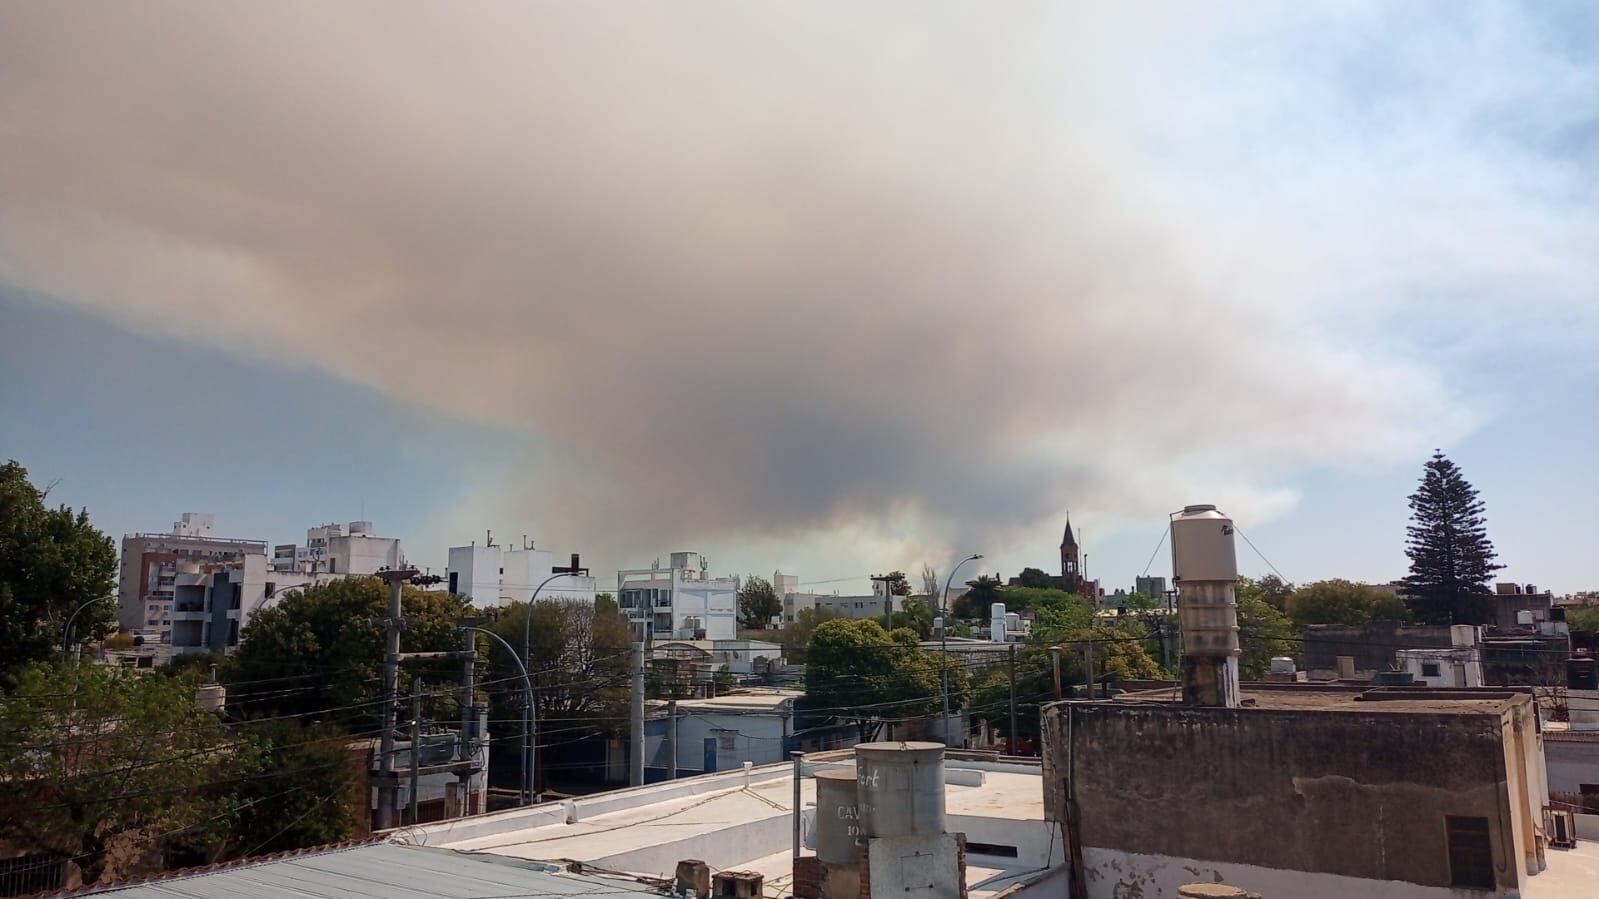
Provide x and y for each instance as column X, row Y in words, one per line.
column 1451, row 557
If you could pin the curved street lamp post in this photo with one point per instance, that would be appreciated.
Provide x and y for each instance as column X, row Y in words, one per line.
column 527, row 695
column 943, row 640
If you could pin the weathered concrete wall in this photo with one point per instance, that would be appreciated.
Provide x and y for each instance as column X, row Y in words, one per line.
column 1127, row 875
column 1356, row 794
column 1572, row 763
column 1373, row 645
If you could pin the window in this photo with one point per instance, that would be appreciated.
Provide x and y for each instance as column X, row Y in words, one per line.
column 233, row 632
column 271, row 589
column 455, row 577
column 996, row 849
column 1471, row 858
column 1429, row 669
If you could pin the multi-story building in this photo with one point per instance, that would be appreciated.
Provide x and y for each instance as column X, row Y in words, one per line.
column 1150, row 586
column 493, row 575
column 682, row 602
column 875, row 606
column 150, row 563
column 338, row 549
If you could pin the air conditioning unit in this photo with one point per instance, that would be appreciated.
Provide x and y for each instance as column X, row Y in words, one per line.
column 1561, row 824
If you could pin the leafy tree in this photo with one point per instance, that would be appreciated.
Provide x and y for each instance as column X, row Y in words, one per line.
column 859, row 672
column 1339, row 601
column 1034, row 577
column 97, row 760
column 1584, row 619
column 797, row 633
column 916, row 615
column 757, row 602
column 294, row 786
column 579, row 664
column 1275, row 591
column 984, row 591
column 325, row 644
column 899, row 585
column 1263, row 633
column 51, row 562
column 1142, row 602
column 1037, row 599
column 1451, row 557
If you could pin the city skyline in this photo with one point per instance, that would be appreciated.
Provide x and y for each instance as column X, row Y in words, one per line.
column 891, row 296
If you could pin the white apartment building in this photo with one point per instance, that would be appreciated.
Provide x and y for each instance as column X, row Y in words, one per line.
column 338, row 549
column 874, row 606
column 492, row 575
column 150, row 563
column 682, row 602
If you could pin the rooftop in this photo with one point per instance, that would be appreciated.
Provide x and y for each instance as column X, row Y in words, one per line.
column 1360, row 699
column 383, row 869
column 743, row 820
column 754, row 701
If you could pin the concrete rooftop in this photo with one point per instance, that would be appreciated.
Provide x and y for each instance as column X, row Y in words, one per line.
column 1372, row 700
column 743, row 821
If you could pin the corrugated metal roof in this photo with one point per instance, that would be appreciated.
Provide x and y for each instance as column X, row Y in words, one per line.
column 380, row 869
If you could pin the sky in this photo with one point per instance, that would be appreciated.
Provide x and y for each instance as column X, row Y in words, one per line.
column 822, row 287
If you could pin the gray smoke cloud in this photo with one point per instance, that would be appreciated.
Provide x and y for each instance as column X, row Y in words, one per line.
column 900, row 276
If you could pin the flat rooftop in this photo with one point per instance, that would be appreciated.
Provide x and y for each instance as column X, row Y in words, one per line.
column 1364, row 700
column 743, row 820
column 753, row 701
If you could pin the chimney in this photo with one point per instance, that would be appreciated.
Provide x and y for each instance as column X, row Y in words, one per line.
column 1205, row 568
column 737, row 885
column 694, row 875
column 574, row 567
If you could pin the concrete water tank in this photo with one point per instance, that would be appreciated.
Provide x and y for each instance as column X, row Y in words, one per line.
column 900, row 788
column 837, row 818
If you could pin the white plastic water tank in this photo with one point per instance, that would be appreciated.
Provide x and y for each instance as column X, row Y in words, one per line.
column 360, row 527
column 1524, row 617
column 1282, row 665
column 1202, row 545
column 210, row 697
column 996, row 623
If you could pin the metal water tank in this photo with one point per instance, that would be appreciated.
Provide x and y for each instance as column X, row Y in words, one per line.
column 1282, row 665
column 900, row 788
column 837, row 818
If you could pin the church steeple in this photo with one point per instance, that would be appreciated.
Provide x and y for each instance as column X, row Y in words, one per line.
column 1069, row 559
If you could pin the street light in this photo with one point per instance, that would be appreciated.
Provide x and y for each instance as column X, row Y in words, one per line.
column 66, row 632
column 529, row 723
column 943, row 639
column 527, row 695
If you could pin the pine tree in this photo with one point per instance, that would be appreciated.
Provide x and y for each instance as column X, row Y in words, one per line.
column 1451, row 557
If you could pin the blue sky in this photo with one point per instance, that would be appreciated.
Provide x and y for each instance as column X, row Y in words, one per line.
column 797, row 286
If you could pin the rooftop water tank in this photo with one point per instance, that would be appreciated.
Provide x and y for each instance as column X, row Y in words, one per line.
column 1524, row 617
column 900, row 788
column 211, row 697
column 837, row 824
column 360, row 527
column 1282, row 665
column 1202, row 545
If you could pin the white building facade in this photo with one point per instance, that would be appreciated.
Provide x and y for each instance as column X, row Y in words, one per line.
column 491, row 576
column 682, row 602
column 339, row 549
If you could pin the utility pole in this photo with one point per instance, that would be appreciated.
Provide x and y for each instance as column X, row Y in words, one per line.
column 467, row 748
column 1014, row 739
column 671, row 739
column 416, row 748
column 637, row 735
column 393, row 624
column 1054, row 665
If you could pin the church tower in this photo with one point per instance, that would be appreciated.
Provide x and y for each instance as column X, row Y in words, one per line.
column 1070, row 561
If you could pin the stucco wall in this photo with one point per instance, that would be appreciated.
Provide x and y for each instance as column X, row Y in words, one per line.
column 1352, row 793
column 1571, row 764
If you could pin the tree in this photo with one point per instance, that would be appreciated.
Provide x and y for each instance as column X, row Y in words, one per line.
column 931, row 585
column 898, row 584
column 758, row 603
column 916, row 615
column 1263, row 634
column 1451, row 557
column 975, row 602
column 51, row 562
column 1275, row 591
column 859, row 672
column 1339, row 601
column 1034, row 577
column 112, row 758
column 323, row 650
column 1583, row 619
column 796, row 637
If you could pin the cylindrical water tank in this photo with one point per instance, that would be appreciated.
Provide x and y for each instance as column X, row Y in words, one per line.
column 1282, row 665
column 900, row 788
column 837, row 818
column 1524, row 617
column 1202, row 546
column 997, row 610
